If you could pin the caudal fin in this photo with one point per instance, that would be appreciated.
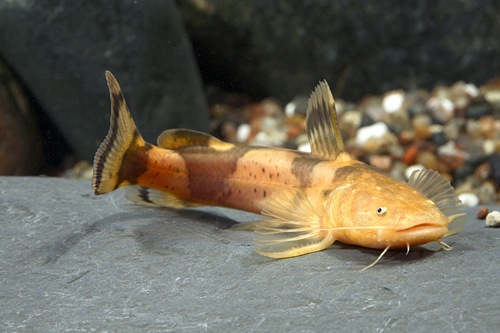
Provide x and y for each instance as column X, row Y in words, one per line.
column 122, row 140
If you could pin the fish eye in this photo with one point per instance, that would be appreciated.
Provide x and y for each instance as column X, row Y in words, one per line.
column 381, row 211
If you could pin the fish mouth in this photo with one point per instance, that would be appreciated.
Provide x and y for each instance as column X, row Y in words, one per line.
column 421, row 226
column 424, row 232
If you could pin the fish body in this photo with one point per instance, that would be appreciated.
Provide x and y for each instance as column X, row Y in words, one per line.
column 308, row 201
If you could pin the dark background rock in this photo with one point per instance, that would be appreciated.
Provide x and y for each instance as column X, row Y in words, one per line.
column 20, row 139
column 30, row 144
column 60, row 50
column 283, row 48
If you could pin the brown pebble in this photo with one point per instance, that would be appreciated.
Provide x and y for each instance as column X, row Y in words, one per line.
column 482, row 213
column 453, row 162
column 428, row 160
column 442, row 168
column 410, row 156
column 422, row 131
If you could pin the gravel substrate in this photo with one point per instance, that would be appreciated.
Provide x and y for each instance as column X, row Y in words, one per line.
column 453, row 130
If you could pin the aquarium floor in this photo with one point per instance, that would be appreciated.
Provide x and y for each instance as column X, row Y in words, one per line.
column 71, row 261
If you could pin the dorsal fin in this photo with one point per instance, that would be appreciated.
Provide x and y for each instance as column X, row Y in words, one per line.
column 322, row 124
column 176, row 138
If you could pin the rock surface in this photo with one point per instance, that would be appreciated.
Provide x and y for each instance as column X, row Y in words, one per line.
column 60, row 50
column 71, row 261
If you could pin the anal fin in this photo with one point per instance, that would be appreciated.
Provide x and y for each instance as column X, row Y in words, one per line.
column 149, row 196
column 290, row 226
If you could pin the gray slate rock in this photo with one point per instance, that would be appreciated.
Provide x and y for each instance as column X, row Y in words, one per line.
column 71, row 261
column 60, row 50
column 283, row 48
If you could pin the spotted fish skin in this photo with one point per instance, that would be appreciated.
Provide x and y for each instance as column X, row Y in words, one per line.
column 235, row 177
column 308, row 201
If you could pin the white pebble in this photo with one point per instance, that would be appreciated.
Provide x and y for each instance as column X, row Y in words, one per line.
column 493, row 219
column 409, row 170
column 371, row 132
column 469, row 199
column 277, row 139
column 290, row 109
column 353, row 118
column 489, row 146
column 492, row 97
column 450, row 149
column 306, row 147
column 422, row 119
column 472, row 90
column 436, row 128
column 393, row 101
column 269, row 125
column 441, row 108
column 243, row 132
column 261, row 139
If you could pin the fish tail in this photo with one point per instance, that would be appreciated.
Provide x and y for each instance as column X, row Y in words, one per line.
column 123, row 143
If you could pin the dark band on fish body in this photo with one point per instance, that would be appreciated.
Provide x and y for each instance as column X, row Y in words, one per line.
column 347, row 171
column 209, row 168
column 134, row 163
column 353, row 171
column 302, row 168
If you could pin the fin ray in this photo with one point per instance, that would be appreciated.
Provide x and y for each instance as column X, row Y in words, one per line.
column 148, row 196
column 122, row 135
column 290, row 226
column 436, row 188
column 245, row 226
column 322, row 124
column 456, row 223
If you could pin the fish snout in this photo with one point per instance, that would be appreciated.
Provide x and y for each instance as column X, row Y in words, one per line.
column 419, row 234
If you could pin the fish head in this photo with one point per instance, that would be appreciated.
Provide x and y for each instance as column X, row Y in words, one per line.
column 389, row 213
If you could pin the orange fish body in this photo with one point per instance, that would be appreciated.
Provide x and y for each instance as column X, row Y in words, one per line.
column 308, row 201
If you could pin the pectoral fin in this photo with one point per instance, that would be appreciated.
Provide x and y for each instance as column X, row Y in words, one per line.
column 438, row 189
column 322, row 125
column 290, row 226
